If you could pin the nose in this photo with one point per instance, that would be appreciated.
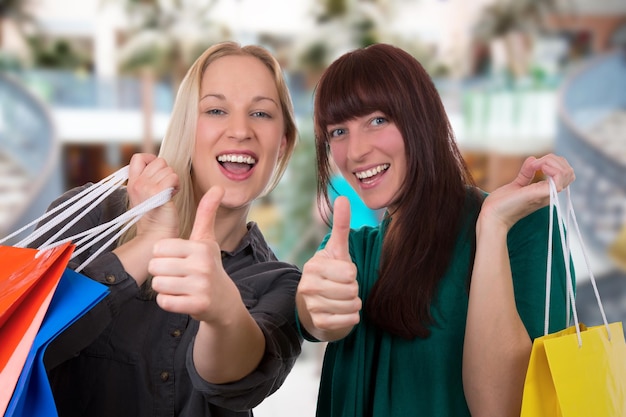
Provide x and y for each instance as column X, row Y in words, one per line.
column 239, row 126
column 358, row 146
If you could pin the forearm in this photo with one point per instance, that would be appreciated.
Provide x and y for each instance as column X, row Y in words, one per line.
column 229, row 351
column 497, row 345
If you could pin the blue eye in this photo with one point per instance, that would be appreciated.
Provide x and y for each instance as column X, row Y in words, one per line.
column 215, row 112
column 336, row 132
column 261, row 114
column 379, row 120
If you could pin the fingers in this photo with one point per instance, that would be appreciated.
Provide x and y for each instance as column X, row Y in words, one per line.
column 558, row 168
column 204, row 224
column 147, row 176
column 330, row 293
column 138, row 163
column 338, row 243
column 551, row 165
column 147, row 166
column 526, row 172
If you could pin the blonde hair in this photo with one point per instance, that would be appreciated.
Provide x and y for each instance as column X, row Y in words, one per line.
column 178, row 144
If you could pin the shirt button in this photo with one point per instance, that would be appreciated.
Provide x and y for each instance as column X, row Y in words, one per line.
column 110, row 279
column 165, row 376
column 176, row 333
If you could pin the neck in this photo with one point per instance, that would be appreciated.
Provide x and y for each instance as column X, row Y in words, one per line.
column 231, row 227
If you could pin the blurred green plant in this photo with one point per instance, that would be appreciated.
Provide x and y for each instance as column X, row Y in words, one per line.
column 349, row 24
column 166, row 36
column 505, row 16
column 56, row 54
column 17, row 12
column 333, row 18
column 297, row 235
column 514, row 22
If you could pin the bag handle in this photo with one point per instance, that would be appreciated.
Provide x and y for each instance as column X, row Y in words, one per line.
column 93, row 194
column 565, row 245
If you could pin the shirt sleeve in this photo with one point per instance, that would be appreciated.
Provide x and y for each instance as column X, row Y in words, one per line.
column 269, row 294
column 105, row 269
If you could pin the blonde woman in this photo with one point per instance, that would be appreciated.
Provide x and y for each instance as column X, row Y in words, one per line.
column 199, row 319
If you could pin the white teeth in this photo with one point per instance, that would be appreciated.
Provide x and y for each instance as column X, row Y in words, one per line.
column 371, row 172
column 240, row 159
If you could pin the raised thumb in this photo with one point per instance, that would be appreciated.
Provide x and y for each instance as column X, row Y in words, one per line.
column 338, row 243
column 204, row 224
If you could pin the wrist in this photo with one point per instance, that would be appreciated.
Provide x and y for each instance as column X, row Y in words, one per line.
column 491, row 226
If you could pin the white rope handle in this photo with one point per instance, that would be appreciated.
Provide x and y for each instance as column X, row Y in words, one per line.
column 570, row 215
column 96, row 192
column 123, row 222
column 75, row 206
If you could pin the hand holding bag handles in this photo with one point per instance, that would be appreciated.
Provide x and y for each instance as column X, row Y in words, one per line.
column 579, row 371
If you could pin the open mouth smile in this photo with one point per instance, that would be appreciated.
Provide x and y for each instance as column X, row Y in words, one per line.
column 236, row 163
column 370, row 174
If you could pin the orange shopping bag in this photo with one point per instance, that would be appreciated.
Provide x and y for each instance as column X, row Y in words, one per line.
column 28, row 279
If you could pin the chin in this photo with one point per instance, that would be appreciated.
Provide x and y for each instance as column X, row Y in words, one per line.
column 375, row 204
column 237, row 200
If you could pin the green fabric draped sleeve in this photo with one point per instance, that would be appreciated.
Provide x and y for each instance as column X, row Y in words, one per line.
column 372, row 373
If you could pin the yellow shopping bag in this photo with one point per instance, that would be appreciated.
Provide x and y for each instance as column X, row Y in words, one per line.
column 565, row 380
column 579, row 371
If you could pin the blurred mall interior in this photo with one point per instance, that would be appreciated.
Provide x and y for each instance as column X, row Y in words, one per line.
column 84, row 84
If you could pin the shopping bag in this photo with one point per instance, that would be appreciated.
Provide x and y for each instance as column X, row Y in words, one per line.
column 74, row 296
column 579, row 371
column 564, row 379
column 28, row 281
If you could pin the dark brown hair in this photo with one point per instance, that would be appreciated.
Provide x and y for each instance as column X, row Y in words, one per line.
column 423, row 230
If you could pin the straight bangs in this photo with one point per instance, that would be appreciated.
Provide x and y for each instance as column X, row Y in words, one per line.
column 364, row 92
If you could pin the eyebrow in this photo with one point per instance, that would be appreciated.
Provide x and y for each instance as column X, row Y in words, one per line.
column 255, row 99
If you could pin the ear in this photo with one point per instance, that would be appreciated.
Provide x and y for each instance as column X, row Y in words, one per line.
column 283, row 147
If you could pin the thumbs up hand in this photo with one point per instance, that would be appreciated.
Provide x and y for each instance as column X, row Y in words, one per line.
column 328, row 293
column 188, row 274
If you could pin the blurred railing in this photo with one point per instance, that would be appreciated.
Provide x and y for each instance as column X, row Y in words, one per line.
column 82, row 90
column 509, row 117
column 28, row 142
column 587, row 101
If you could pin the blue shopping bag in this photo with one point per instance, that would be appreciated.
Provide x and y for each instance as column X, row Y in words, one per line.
column 74, row 296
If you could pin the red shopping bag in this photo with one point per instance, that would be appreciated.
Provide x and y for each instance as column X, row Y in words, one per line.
column 28, row 279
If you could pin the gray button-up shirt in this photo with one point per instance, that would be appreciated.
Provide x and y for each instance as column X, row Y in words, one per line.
column 128, row 357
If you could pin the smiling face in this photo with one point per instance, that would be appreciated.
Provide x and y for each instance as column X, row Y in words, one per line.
column 370, row 153
column 240, row 131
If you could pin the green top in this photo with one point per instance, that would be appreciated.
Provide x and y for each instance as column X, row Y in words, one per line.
column 372, row 373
